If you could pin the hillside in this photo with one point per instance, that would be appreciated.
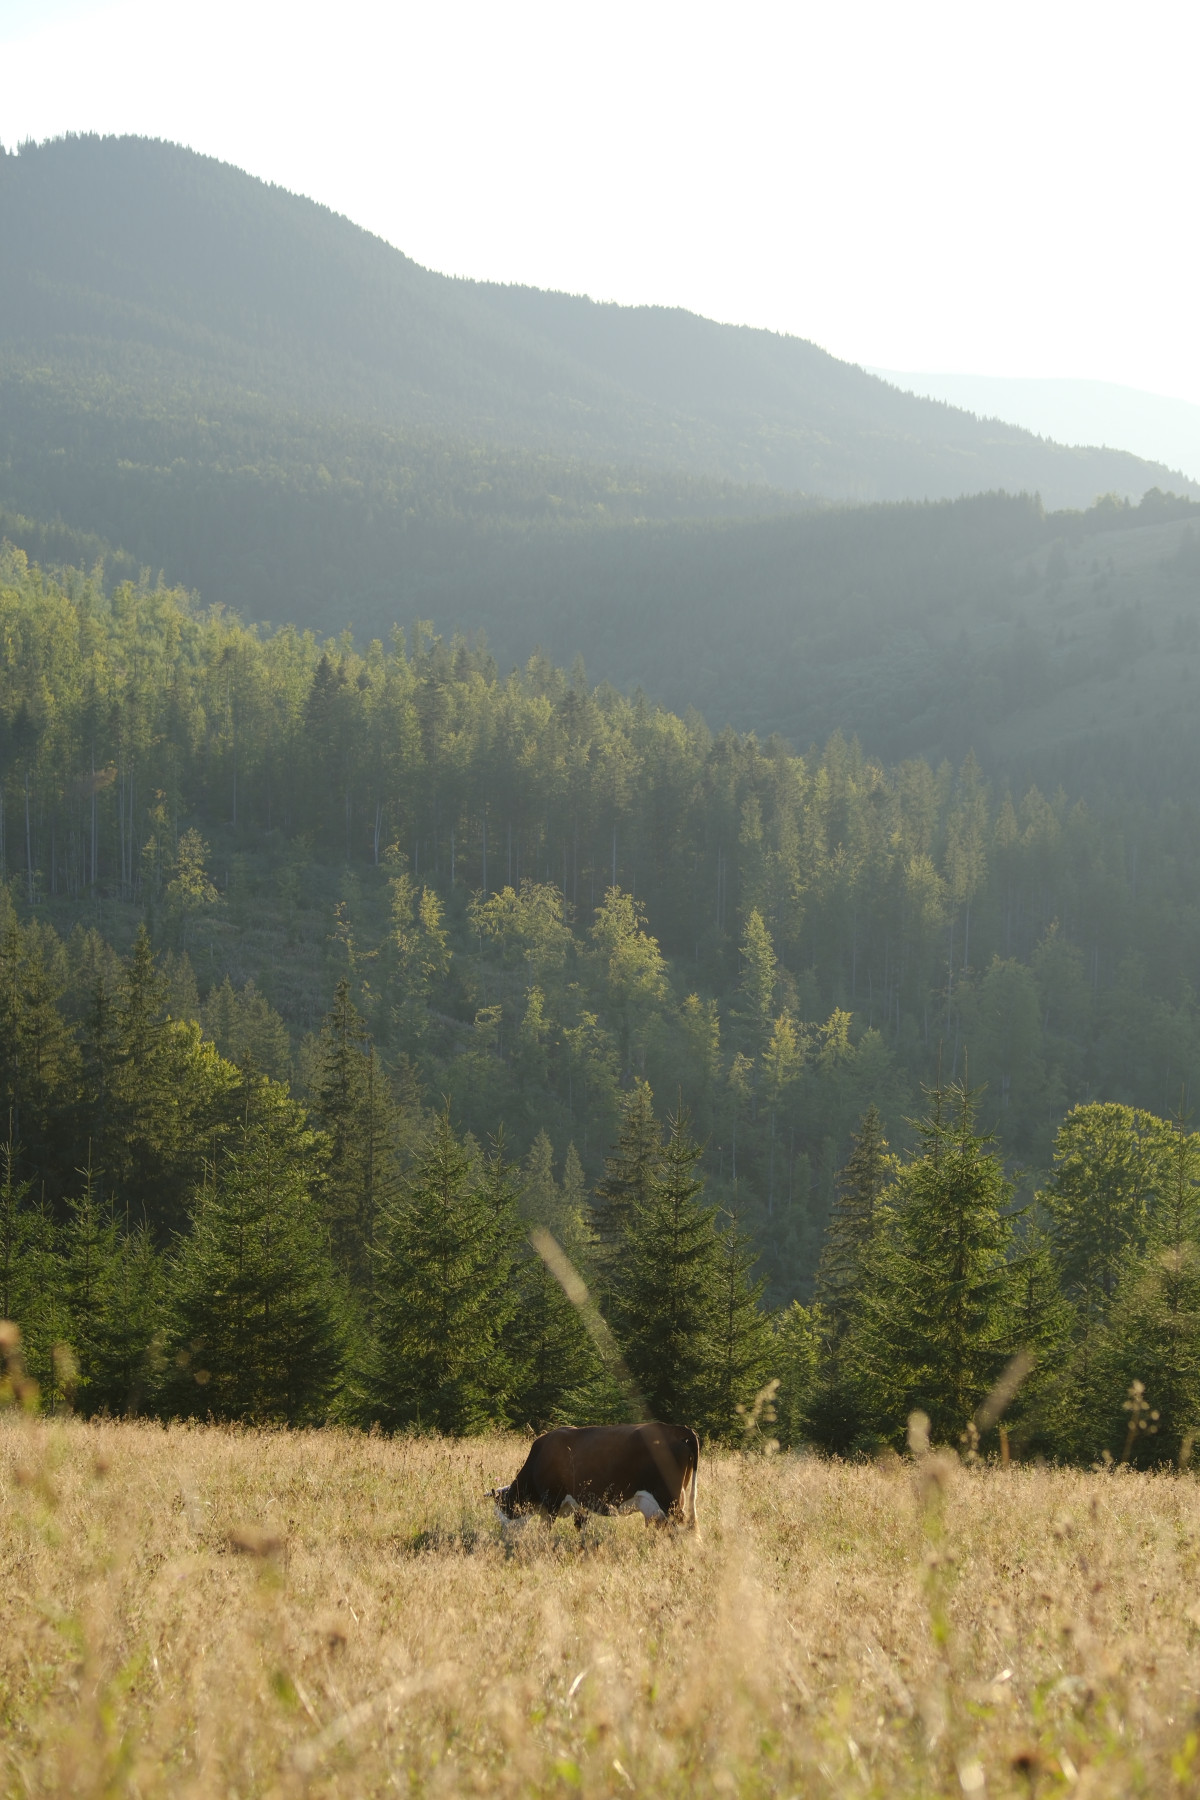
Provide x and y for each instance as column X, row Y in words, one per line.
column 233, row 384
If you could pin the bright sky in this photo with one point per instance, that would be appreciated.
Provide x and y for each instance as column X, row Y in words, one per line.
column 991, row 185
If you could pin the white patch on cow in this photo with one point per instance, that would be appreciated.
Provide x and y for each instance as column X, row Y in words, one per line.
column 647, row 1505
column 569, row 1507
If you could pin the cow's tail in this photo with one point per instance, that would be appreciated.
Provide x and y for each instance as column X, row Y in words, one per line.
column 687, row 1492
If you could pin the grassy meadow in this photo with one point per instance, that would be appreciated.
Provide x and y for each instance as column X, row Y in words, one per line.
column 194, row 1611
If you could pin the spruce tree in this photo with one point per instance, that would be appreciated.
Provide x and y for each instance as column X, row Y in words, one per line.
column 562, row 1211
column 354, row 1108
column 868, row 1170
column 129, row 1373
column 39, row 1059
column 1112, row 1164
column 254, row 1314
column 443, row 1294
column 136, row 1132
column 111, row 1303
column 628, row 1172
column 936, row 1323
column 796, row 1360
column 832, row 1412
column 1154, row 1325
column 667, row 1287
column 743, row 1350
column 89, row 1251
column 554, row 1367
column 28, row 1266
column 1047, row 1409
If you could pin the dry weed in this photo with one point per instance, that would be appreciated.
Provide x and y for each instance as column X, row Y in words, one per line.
column 205, row 1612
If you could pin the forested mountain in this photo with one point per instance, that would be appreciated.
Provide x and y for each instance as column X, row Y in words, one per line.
column 326, row 974
column 539, row 891
column 231, row 383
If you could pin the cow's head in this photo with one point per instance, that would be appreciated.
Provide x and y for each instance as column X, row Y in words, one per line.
column 504, row 1508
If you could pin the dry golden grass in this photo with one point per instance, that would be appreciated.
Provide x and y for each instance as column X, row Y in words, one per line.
column 201, row 1612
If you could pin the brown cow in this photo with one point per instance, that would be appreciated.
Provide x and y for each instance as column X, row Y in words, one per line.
column 649, row 1468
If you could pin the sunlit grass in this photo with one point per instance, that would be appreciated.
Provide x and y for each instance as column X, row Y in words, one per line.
column 195, row 1611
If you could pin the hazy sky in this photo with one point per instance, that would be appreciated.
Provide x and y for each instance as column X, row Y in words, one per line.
column 1010, row 188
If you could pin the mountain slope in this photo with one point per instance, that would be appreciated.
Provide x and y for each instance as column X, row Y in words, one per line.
column 164, row 272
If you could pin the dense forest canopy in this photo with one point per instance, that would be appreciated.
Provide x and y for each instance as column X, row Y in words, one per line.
column 540, row 890
column 329, row 979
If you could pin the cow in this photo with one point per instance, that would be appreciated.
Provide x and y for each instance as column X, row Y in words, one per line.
column 649, row 1468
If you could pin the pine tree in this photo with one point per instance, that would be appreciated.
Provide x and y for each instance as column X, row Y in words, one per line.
column 667, row 1287
column 443, row 1294
column 253, row 1295
column 935, row 1326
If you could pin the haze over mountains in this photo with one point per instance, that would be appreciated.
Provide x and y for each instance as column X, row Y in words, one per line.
column 1073, row 411
column 230, row 383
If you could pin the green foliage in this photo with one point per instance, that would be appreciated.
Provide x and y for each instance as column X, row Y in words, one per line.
column 797, row 1363
column 28, row 1269
column 1112, row 1166
column 628, row 1172
column 869, row 1170
column 740, row 1343
column 355, row 1108
column 558, row 1375
column 253, row 1301
column 1153, row 1326
column 935, row 1324
column 444, row 1293
column 245, row 1027
column 682, row 1303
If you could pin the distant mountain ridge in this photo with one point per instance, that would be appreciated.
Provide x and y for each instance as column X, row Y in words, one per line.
column 1072, row 411
column 171, row 276
column 208, row 376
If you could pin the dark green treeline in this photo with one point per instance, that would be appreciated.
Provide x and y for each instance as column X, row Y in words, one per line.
column 356, row 1259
